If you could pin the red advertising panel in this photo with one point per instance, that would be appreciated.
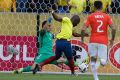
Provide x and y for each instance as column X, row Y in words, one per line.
column 26, row 45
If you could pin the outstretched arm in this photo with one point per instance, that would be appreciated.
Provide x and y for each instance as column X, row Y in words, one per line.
column 57, row 17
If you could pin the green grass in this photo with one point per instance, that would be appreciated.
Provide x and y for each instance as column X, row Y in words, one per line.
column 8, row 76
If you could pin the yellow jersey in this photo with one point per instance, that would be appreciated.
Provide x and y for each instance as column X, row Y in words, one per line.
column 77, row 6
column 66, row 29
column 62, row 2
column 7, row 5
column 106, row 3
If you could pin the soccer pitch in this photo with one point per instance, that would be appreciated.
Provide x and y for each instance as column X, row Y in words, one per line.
column 29, row 76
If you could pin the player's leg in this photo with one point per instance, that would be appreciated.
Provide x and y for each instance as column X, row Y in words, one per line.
column 29, row 68
column 68, row 53
column 39, row 59
column 58, row 53
column 102, row 54
column 52, row 59
column 93, row 50
column 25, row 69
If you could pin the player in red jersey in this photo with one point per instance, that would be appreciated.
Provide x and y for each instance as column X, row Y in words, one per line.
column 99, row 22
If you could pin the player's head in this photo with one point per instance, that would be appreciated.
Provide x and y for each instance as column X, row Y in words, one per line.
column 75, row 20
column 98, row 5
column 46, row 26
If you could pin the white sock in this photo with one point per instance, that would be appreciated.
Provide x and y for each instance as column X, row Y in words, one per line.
column 94, row 71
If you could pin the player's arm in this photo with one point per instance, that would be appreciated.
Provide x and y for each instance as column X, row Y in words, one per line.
column 56, row 17
column 79, row 35
column 83, row 32
column 85, row 26
column 76, row 34
column 113, row 32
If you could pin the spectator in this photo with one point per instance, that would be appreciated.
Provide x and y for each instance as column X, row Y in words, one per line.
column 62, row 6
column 77, row 6
column 7, row 5
column 39, row 6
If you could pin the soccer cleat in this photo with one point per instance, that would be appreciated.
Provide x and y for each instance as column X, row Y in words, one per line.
column 15, row 71
column 36, row 69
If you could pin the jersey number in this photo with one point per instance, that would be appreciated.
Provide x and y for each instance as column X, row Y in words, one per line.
column 100, row 25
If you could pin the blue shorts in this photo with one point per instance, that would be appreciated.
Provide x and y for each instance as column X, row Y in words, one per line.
column 63, row 46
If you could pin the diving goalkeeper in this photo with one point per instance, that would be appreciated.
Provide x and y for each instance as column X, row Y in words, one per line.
column 45, row 51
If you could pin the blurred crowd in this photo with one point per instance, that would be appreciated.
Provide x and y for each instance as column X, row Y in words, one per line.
column 60, row 6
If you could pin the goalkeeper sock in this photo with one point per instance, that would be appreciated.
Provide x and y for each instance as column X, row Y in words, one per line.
column 94, row 71
column 27, row 69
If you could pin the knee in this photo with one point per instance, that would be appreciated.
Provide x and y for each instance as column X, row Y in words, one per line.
column 103, row 62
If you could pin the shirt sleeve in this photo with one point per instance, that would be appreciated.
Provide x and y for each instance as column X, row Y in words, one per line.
column 65, row 19
column 110, row 20
column 87, row 22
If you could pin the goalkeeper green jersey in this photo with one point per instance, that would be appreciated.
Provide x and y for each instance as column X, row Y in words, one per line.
column 45, row 42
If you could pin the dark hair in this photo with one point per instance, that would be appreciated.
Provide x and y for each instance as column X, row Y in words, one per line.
column 98, row 5
column 75, row 20
column 43, row 23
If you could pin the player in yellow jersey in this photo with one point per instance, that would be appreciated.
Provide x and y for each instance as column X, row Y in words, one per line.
column 7, row 5
column 63, row 44
column 106, row 4
column 77, row 6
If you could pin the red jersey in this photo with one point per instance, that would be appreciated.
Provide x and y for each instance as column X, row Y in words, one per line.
column 99, row 23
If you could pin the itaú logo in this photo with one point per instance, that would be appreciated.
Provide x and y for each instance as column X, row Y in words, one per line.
column 23, row 53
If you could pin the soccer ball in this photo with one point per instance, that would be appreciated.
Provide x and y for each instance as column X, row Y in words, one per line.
column 83, row 67
column 12, row 50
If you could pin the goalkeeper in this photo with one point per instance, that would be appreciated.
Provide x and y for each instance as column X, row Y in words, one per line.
column 45, row 51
